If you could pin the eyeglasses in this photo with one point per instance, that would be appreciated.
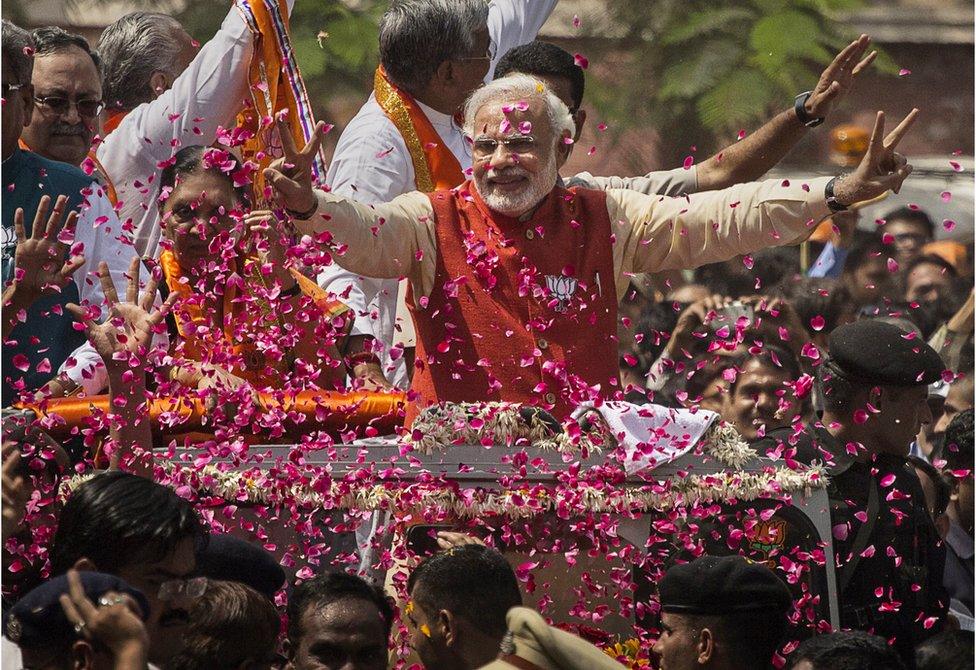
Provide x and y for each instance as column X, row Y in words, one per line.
column 186, row 588
column 7, row 88
column 59, row 105
column 489, row 54
column 517, row 144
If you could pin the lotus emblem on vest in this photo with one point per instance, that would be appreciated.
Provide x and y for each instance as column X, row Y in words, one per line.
column 562, row 288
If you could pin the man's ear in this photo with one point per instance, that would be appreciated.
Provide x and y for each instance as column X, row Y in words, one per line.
column 448, row 625
column 563, row 150
column 159, row 83
column 82, row 655
column 84, row 564
column 706, row 646
column 580, row 118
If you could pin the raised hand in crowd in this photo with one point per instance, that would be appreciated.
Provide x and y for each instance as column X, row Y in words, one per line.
column 693, row 317
column 114, row 623
column 40, row 266
column 127, row 331
column 16, row 490
column 882, row 169
column 291, row 175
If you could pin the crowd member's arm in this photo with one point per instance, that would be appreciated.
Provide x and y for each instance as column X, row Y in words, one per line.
column 123, row 340
column 207, row 95
column 115, row 624
column 654, row 234
column 754, row 155
column 39, row 260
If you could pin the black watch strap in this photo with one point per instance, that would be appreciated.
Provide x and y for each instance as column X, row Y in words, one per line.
column 801, row 111
column 831, row 199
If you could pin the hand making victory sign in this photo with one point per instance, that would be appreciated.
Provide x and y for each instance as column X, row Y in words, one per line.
column 291, row 175
column 882, row 168
column 838, row 79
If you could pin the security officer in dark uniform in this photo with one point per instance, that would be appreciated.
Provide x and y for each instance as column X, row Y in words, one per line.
column 888, row 557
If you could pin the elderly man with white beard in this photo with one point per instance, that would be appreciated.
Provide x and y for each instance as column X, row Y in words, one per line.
column 514, row 280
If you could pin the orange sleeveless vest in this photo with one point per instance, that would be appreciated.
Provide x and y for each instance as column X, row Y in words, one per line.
column 520, row 311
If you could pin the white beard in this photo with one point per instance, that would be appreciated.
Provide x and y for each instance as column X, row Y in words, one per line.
column 516, row 204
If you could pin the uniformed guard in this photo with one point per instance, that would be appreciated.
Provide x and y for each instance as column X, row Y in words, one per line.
column 874, row 384
column 96, row 624
column 722, row 612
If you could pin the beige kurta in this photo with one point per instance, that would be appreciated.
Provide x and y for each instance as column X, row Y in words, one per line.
column 650, row 232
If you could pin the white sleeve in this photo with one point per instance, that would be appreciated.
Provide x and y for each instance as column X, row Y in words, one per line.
column 371, row 165
column 209, row 93
column 512, row 23
column 98, row 236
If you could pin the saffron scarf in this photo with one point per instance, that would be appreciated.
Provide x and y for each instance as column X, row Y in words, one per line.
column 434, row 166
column 276, row 87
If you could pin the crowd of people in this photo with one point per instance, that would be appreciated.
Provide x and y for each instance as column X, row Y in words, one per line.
column 152, row 256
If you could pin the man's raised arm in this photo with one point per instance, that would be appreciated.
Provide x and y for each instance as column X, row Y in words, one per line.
column 659, row 233
column 753, row 156
column 393, row 239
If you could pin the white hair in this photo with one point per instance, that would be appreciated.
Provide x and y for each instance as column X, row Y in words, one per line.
column 515, row 88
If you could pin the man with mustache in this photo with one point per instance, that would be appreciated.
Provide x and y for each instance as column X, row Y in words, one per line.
column 67, row 84
column 133, row 528
column 43, row 343
column 486, row 261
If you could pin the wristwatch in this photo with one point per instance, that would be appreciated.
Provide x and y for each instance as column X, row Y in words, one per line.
column 832, row 202
column 801, row 111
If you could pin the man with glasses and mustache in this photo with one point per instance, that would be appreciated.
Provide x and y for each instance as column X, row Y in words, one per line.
column 43, row 343
column 67, row 84
column 479, row 257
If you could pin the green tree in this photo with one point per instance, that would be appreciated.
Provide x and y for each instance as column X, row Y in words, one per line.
column 716, row 66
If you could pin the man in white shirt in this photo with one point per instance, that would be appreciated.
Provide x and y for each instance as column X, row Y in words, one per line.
column 161, row 94
column 437, row 52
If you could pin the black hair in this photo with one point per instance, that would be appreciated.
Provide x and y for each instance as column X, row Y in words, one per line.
column 773, row 265
column 931, row 259
column 730, row 279
column 472, row 581
column 957, row 446
column 655, row 323
column 866, row 245
column 848, row 650
column 231, row 626
column 948, row 649
column 52, row 39
column 816, row 296
column 942, row 489
column 191, row 160
column 544, row 59
column 912, row 216
column 118, row 519
column 330, row 587
column 698, row 379
column 770, row 353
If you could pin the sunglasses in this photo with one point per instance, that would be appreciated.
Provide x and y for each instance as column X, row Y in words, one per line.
column 60, row 105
